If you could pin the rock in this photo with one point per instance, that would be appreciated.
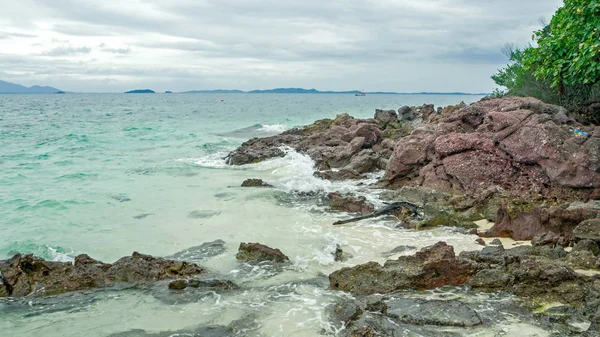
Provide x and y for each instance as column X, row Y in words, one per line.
column 523, row 221
column 431, row 267
column 588, row 229
column 31, row 276
column 587, row 245
column 545, row 239
column 344, row 143
column 214, row 285
column 432, row 312
column 385, row 117
column 256, row 253
column 491, row 278
column 178, row 284
column 255, row 183
column 203, row 251
column 343, row 313
column 496, row 242
column 339, row 255
column 515, row 144
column 349, row 203
column 583, row 259
column 480, row 241
column 343, row 174
column 398, row 250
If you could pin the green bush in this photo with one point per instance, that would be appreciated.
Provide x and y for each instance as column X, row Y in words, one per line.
column 564, row 67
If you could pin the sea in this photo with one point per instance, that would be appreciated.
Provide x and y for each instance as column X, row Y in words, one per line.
column 110, row 174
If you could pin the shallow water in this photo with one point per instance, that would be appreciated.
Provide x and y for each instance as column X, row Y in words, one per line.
column 109, row 174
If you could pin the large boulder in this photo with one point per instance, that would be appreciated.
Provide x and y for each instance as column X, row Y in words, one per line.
column 520, row 145
column 32, row 276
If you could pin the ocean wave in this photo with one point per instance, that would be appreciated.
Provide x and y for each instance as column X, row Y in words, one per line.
column 256, row 130
column 274, row 128
column 51, row 253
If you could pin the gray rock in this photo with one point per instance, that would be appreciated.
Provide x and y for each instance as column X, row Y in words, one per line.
column 588, row 229
column 385, row 117
column 496, row 242
column 434, row 312
column 491, row 278
column 587, row 245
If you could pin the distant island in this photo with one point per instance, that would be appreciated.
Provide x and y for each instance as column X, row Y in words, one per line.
column 140, row 91
column 14, row 88
column 315, row 91
column 168, row 92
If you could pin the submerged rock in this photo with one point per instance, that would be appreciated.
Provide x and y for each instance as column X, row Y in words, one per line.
column 32, row 276
column 203, row 251
column 256, row 253
column 255, row 183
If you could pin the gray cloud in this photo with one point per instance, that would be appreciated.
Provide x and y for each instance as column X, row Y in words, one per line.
column 178, row 44
column 66, row 51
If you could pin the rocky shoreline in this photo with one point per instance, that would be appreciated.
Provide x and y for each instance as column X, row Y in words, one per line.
column 513, row 161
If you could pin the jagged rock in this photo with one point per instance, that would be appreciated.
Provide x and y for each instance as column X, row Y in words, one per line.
column 342, row 143
column 385, row 117
column 498, row 142
column 30, row 275
column 548, row 238
column 256, row 253
column 523, row 221
column 349, row 203
column 429, row 268
column 255, row 183
column 588, row 229
column 491, row 278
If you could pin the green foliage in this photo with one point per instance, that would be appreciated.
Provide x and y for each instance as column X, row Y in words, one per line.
column 568, row 50
column 564, row 67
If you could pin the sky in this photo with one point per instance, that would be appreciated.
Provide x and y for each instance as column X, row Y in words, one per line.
column 178, row 45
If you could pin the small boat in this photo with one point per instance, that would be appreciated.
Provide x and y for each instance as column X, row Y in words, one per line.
column 362, row 93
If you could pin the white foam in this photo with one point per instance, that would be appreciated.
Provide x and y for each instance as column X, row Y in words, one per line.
column 273, row 128
column 57, row 256
column 294, row 172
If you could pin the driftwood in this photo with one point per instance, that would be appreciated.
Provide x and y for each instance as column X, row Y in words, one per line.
column 388, row 209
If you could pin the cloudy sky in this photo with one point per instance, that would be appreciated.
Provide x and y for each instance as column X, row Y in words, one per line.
column 375, row 45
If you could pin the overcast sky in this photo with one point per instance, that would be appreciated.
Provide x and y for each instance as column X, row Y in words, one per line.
column 375, row 45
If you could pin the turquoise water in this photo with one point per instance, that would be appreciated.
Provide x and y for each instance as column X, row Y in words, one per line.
column 109, row 174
